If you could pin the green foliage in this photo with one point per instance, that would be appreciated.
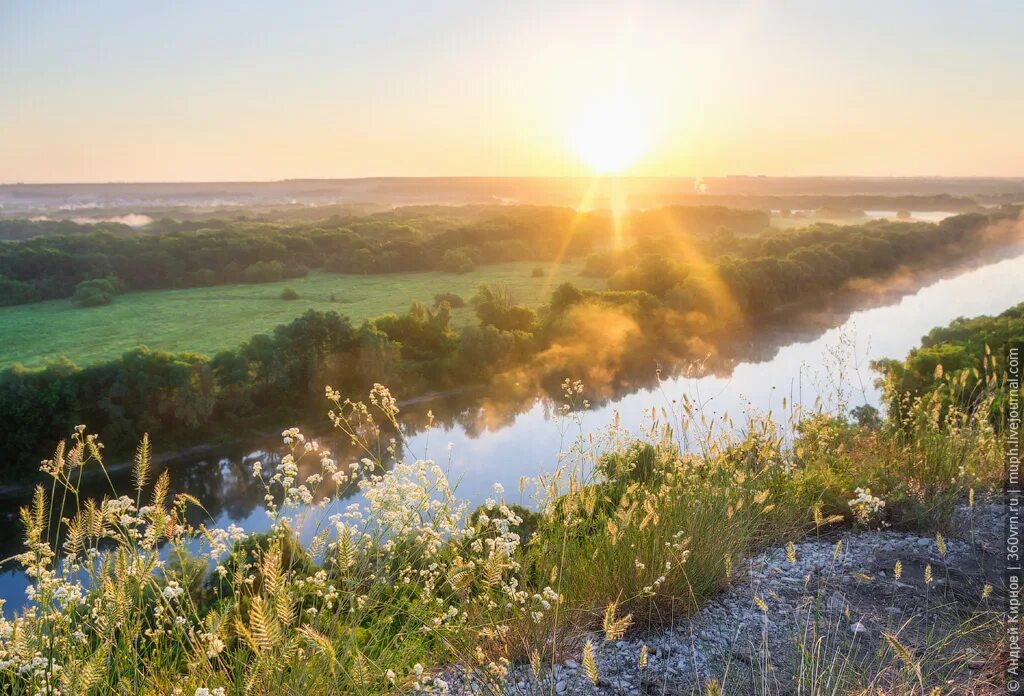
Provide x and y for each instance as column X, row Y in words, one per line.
column 269, row 271
column 423, row 334
column 957, row 369
column 635, row 463
column 764, row 272
column 290, row 294
column 96, row 292
column 866, row 416
column 13, row 292
column 495, row 306
column 457, row 261
column 421, row 350
column 653, row 274
column 206, row 320
column 169, row 395
column 54, row 256
column 488, row 350
column 454, row 301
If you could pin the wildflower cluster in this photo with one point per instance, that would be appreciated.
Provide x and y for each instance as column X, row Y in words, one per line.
column 865, row 507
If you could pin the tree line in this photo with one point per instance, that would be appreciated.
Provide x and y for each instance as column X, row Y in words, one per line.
column 764, row 272
column 172, row 254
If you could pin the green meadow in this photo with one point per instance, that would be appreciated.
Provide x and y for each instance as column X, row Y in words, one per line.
column 205, row 320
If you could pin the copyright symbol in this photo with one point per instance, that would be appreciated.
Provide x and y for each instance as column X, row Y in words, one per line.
column 1013, row 686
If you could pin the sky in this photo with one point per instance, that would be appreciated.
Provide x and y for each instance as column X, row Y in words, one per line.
column 133, row 90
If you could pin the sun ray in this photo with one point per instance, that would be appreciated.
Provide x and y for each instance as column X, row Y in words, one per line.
column 582, row 209
column 726, row 308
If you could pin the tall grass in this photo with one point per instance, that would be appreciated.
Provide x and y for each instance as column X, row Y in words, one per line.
column 129, row 597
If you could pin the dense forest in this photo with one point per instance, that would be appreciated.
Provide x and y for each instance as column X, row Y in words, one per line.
column 53, row 258
column 663, row 295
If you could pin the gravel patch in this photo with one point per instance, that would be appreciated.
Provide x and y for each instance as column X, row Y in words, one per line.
column 840, row 593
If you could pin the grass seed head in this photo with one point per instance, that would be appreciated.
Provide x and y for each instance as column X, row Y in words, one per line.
column 589, row 663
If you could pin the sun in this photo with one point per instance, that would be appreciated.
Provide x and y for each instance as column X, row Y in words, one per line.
column 611, row 135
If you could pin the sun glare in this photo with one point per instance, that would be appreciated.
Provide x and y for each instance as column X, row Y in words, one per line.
column 611, row 135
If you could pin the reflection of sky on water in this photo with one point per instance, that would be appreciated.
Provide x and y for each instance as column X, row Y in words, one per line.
column 529, row 444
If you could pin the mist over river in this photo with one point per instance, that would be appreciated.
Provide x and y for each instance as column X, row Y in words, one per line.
column 484, row 440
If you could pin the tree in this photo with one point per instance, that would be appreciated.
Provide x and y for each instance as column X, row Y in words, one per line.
column 495, row 306
column 98, row 291
column 456, row 261
column 422, row 333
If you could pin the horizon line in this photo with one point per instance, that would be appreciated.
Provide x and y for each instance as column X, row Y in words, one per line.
column 549, row 177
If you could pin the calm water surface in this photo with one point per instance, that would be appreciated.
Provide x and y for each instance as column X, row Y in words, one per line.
column 495, row 441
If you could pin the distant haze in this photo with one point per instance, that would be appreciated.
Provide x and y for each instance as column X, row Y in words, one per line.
column 129, row 203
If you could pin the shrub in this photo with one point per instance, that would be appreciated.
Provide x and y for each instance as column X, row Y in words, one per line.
column 537, row 272
column 495, row 306
column 454, row 301
column 98, row 291
column 290, row 294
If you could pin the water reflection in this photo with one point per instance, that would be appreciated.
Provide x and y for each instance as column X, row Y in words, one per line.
column 504, row 432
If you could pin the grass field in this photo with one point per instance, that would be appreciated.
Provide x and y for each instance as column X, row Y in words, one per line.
column 205, row 320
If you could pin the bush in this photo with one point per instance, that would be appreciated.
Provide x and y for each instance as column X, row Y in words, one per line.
column 495, row 306
column 91, row 297
column 98, row 291
column 537, row 272
column 290, row 294
column 454, row 301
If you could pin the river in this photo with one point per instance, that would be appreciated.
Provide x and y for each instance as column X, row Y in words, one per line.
column 490, row 438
